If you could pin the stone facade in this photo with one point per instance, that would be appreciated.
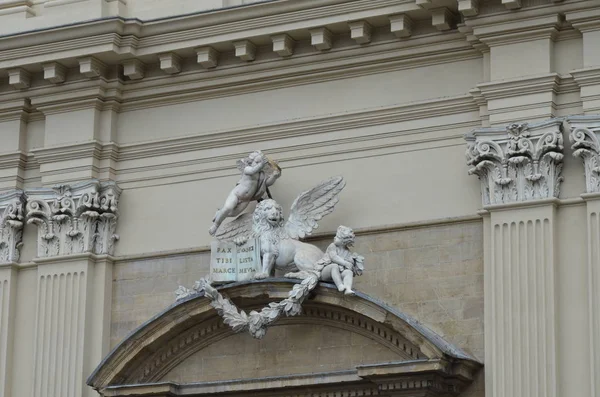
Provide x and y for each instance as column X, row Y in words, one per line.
column 120, row 125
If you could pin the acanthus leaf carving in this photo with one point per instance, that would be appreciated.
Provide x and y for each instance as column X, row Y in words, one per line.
column 585, row 142
column 73, row 219
column 520, row 162
column 11, row 225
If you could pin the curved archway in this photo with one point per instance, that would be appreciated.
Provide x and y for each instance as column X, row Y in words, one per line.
column 188, row 326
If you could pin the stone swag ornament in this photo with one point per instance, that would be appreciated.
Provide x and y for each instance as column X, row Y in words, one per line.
column 278, row 242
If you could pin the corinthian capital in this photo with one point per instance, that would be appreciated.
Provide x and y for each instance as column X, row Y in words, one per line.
column 11, row 225
column 73, row 219
column 585, row 142
column 519, row 162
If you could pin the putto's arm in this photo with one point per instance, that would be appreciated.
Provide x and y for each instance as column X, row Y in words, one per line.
column 335, row 258
column 251, row 170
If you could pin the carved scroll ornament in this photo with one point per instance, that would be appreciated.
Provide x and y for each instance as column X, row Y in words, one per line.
column 75, row 219
column 11, row 225
column 518, row 163
column 585, row 142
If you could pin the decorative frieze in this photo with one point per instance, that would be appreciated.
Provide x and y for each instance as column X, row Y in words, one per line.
column 468, row 8
column 11, row 225
column 207, row 57
column 283, row 45
column 585, row 142
column 54, row 72
column 321, row 38
column 517, row 163
column 170, row 63
column 134, row 69
column 360, row 31
column 401, row 25
column 442, row 18
column 19, row 78
column 75, row 219
column 91, row 67
column 245, row 50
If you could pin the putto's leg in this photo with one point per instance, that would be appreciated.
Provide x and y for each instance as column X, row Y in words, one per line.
column 337, row 278
column 348, row 277
column 230, row 204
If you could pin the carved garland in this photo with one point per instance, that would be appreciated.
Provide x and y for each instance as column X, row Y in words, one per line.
column 255, row 323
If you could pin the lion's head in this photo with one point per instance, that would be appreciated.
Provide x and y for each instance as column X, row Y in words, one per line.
column 267, row 215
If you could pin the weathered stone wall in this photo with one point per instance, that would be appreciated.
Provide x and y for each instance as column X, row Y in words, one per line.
column 433, row 273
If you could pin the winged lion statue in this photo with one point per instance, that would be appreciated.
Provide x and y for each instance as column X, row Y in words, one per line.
column 280, row 245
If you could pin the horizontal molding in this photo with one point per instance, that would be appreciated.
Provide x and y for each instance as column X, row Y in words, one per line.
column 179, row 166
column 535, row 84
column 305, row 69
column 258, row 133
column 127, row 37
column 310, row 126
column 236, row 79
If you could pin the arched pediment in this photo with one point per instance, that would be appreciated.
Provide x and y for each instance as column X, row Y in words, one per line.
column 187, row 327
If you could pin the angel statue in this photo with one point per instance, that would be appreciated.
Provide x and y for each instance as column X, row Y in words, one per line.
column 279, row 240
column 258, row 173
column 339, row 264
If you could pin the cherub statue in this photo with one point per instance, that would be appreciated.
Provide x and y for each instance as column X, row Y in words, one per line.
column 258, row 173
column 279, row 239
column 339, row 264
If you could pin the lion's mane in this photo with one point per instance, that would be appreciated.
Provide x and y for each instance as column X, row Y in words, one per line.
column 261, row 226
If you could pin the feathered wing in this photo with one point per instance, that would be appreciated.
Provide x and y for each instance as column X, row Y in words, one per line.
column 312, row 205
column 240, row 226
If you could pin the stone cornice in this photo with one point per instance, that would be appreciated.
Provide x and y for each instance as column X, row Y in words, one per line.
column 523, row 86
column 434, row 377
column 134, row 37
column 91, row 149
column 584, row 20
column 585, row 142
column 586, row 77
column 533, row 22
column 15, row 109
column 520, row 162
column 236, row 79
column 13, row 159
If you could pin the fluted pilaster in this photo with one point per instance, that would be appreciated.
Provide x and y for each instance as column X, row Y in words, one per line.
column 585, row 140
column 519, row 167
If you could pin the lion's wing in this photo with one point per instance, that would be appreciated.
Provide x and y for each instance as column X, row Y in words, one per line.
column 312, row 205
column 240, row 226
